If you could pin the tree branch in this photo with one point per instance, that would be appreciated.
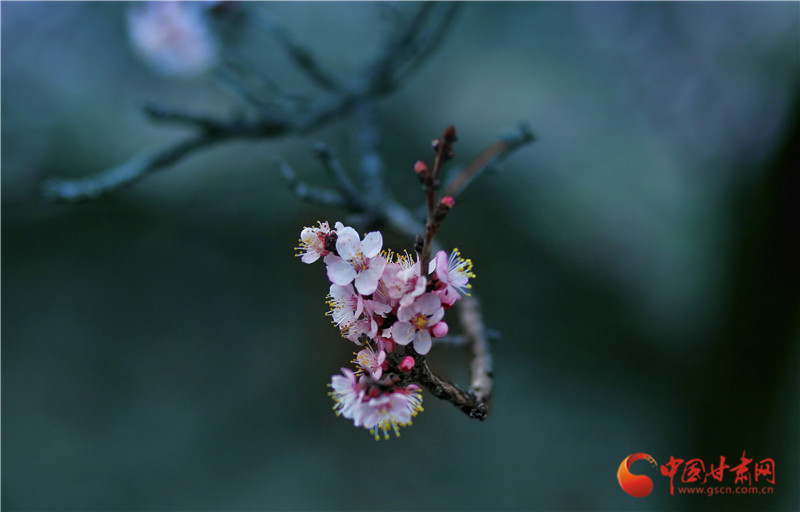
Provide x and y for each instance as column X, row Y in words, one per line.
column 311, row 194
column 490, row 158
column 373, row 83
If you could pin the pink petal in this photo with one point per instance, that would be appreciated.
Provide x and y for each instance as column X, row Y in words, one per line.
column 403, row 333
column 436, row 317
column 405, row 313
column 427, row 304
column 441, row 266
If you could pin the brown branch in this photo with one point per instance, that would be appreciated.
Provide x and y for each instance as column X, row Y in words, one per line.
column 490, row 157
column 436, row 210
column 481, row 366
column 466, row 400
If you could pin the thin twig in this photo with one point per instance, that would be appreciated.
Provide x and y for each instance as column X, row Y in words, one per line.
column 334, row 168
column 300, row 55
column 490, row 157
column 371, row 161
column 308, row 193
column 129, row 172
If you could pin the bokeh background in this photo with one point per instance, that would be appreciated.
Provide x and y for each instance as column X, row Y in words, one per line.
column 162, row 348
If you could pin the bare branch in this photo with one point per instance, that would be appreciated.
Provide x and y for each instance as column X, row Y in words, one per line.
column 300, row 55
column 481, row 366
column 336, row 171
column 490, row 158
column 131, row 171
column 376, row 81
column 467, row 401
column 371, row 160
column 307, row 193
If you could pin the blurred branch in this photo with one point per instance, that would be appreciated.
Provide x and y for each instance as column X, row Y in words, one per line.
column 490, row 158
column 310, row 194
column 335, row 170
column 410, row 48
column 300, row 55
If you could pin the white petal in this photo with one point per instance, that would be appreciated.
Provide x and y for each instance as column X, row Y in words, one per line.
column 339, row 271
column 310, row 257
column 372, row 244
column 436, row 317
column 405, row 313
column 348, row 243
column 367, row 281
column 402, row 332
column 422, row 342
column 427, row 304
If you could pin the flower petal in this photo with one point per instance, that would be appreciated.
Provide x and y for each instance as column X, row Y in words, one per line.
column 367, row 280
column 422, row 342
column 372, row 244
column 348, row 243
column 339, row 271
column 405, row 313
column 436, row 317
column 309, row 257
column 427, row 304
column 403, row 333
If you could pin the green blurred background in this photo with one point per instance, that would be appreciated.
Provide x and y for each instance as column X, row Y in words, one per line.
column 162, row 348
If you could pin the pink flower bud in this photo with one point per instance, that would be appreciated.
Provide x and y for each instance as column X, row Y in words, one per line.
column 420, row 167
column 448, row 201
column 407, row 364
column 440, row 330
column 388, row 344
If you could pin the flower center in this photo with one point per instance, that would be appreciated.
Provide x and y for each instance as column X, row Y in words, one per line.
column 359, row 262
column 419, row 322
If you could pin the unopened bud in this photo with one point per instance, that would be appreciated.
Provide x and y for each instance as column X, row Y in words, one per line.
column 388, row 344
column 420, row 167
column 407, row 363
column 440, row 330
column 450, row 134
column 445, row 205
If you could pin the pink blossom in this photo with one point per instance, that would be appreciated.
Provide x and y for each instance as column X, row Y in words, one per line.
column 357, row 260
column 371, row 362
column 389, row 410
column 365, row 326
column 453, row 274
column 346, row 306
column 312, row 243
column 175, row 38
column 347, row 393
column 403, row 284
column 416, row 320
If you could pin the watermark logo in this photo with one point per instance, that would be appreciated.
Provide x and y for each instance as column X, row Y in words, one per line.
column 635, row 485
column 694, row 476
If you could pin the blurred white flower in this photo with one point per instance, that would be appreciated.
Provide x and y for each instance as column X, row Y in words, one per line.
column 174, row 38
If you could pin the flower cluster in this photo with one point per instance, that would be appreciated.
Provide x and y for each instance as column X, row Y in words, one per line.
column 381, row 300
